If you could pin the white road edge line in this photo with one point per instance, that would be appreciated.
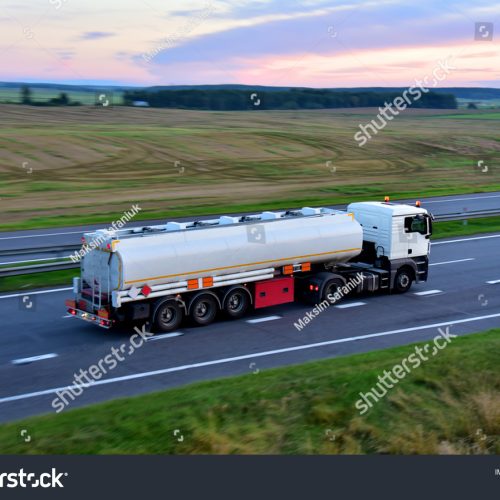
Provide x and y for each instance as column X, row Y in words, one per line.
column 465, row 239
column 494, row 282
column 24, row 361
column 41, row 235
column 244, row 357
column 351, row 304
column 27, row 292
column 460, row 199
column 428, row 292
column 164, row 336
column 33, row 260
column 451, row 261
column 261, row 320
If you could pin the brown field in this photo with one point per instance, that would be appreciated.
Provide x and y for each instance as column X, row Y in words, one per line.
column 89, row 164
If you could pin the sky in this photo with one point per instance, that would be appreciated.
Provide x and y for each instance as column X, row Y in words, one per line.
column 313, row 43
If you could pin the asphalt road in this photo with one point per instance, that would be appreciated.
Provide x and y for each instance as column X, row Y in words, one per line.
column 463, row 294
column 72, row 235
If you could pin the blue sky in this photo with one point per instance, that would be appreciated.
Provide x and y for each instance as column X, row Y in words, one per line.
column 313, row 43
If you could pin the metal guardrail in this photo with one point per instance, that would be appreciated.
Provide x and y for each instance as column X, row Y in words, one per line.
column 52, row 250
column 58, row 266
column 473, row 214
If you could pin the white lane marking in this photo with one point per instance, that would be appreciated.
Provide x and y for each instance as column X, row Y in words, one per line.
column 40, row 235
column 164, row 336
column 351, row 304
column 24, row 361
column 494, row 282
column 67, row 316
column 460, row 199
column 451, row 262
column 33, row 260
column 163, row 371
column 465, row 239
column 261, row 320
column 428, row 292
column 27, row 292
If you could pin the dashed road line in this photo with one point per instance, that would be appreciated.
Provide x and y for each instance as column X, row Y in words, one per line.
column 164, row 336
column 428, row 292
column 262, row 320
column 25, row 361
column 350, row 304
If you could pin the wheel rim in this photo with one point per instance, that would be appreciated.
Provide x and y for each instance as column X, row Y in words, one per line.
column 331, row 290
column 168, row 315
column 202, row 309
column 235, row 302
column 404, row 280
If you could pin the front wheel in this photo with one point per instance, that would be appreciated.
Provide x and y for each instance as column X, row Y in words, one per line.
column 403, row 281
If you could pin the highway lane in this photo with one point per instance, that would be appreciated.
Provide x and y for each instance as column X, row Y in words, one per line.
column 460, row 296
column 72, row 235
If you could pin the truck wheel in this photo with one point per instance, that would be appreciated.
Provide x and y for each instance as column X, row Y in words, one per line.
column 168, row 316
column 236, row 303
column 331, row 288
column 403, row 281
column 203, row 309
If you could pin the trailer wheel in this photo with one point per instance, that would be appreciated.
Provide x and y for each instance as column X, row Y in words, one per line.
column 236, row 303
column 403, row 280
column 203, row 309
column 168, row 316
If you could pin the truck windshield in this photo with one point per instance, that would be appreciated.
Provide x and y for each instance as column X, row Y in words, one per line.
column 416, row 224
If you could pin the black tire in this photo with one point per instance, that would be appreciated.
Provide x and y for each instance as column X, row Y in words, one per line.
column 168, row 316
column 330, row 288
column 236, row 303
column 403, row 280
column 203, row 309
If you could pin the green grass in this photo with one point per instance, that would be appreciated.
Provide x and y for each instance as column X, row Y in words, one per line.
column 449, row 404
column 472, row 226
column 329, row 196
column 37, row 280
column 86, row 161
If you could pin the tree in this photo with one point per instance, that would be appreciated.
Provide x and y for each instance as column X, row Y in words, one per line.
column 25, row 94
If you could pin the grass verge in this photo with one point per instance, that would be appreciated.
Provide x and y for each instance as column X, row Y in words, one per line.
column 330, row 196
column 465, row 228
column 37, row 280
column 449, row 404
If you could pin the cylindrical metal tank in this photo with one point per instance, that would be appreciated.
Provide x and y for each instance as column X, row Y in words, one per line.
column 229, row 248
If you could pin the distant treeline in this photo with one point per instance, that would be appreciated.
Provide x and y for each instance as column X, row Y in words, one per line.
column 234, row 99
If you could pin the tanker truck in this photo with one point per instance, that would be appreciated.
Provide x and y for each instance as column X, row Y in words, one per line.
column 168, row 273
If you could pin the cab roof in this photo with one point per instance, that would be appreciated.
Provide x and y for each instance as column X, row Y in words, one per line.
column 394, row 209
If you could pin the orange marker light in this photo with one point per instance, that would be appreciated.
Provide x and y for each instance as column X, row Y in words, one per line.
column 417, row 203
column 386, row 199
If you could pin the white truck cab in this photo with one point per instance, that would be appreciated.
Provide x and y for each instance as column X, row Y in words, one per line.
column 397, row 231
